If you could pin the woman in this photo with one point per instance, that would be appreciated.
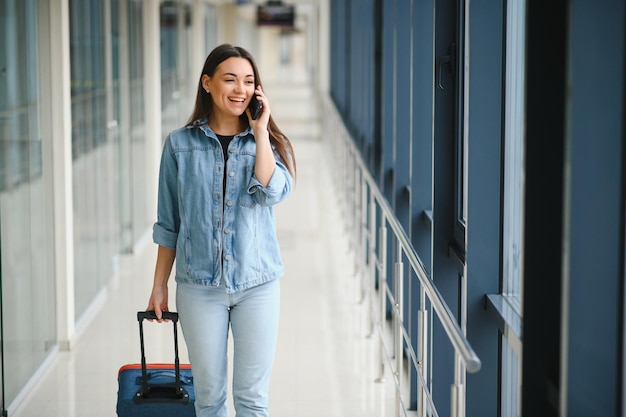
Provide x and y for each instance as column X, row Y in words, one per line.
column 220, row 175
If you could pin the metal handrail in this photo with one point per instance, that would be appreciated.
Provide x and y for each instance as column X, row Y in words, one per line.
column 359, row 181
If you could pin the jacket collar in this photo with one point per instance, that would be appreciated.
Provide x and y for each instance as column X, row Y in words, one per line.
column 204, row 126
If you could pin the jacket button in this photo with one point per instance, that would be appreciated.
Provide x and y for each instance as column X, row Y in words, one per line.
column 229, row 203
column 231, row 174
column 227, row 257
column 226, row 230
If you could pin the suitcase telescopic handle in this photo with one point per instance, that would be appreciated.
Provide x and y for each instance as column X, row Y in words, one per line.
column 151, row 315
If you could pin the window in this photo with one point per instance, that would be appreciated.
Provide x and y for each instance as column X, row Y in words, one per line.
column 513, row 150
column 27, row 284
column 513, row 153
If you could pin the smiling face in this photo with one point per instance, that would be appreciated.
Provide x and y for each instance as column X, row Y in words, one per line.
column 231, row 87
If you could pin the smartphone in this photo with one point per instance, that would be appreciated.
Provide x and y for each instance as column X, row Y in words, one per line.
column 255, row 107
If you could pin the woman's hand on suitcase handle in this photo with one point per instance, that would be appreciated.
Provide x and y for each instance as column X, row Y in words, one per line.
column 158, row 302
column 163, row 268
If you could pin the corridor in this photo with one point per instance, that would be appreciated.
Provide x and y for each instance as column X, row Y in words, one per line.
column 325, row 364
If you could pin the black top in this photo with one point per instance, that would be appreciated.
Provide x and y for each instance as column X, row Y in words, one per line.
column 224, row 141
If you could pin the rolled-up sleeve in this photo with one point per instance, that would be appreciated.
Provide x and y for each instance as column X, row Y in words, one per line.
column 165, row 230
column 278, row 188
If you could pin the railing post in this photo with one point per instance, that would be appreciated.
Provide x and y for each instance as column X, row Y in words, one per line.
column 347, row 189
column 398, row 323
column 337, row 148
column 457, row 401
column 382, row 290
column 422, row 355
column 458, row 389
column 354, row 199
column 373, row 262
column 364, row 237
column 343, row 177
column 356, row 216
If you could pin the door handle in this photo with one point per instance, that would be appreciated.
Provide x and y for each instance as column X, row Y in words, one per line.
column 449, row 60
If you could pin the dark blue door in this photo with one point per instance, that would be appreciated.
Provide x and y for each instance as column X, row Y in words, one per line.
column 448, row 212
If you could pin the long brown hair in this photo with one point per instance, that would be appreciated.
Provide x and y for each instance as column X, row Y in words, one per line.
column 204, row 102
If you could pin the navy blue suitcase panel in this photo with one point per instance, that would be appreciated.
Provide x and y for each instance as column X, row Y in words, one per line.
column 163, row 400
column 155, row 389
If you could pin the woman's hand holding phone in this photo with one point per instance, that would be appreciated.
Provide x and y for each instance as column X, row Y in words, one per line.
column 255, row 107
column 258, row 105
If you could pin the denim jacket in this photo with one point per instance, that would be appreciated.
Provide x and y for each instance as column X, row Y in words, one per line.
column 233, row 239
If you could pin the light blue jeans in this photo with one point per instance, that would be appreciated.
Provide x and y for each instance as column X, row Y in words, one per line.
column 205, row 315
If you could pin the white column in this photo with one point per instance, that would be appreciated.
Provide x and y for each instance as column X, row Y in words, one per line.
column 56, row 92
column 108, row 69
column 198, row 46
column 268, row 55
column 227, row 24
column 152, row 101
column 323, row 81
column 125, row 128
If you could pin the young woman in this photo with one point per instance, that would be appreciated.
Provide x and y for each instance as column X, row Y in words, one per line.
column 219, row 178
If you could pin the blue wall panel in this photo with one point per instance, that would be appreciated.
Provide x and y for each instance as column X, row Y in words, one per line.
column 594, row 156
column 484, row 185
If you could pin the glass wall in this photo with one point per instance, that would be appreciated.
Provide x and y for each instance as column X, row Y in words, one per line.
column 94, row 153
column 175, row 61
column 108, row 145
column 119, row 120
column 28, row 303
column 210, row 36
column 178, row 78
column 137, row 138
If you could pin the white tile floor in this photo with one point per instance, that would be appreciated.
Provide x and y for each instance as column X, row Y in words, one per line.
column 325, row 365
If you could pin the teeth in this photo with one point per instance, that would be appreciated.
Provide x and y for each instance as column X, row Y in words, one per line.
column 239, row 100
